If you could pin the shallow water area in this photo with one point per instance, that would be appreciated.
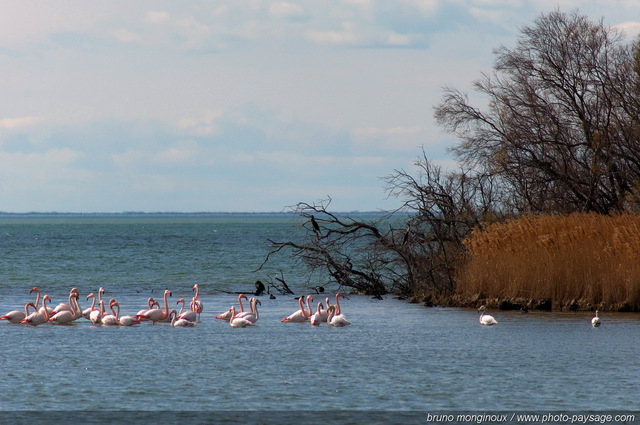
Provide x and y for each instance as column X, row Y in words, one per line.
column 394, row 357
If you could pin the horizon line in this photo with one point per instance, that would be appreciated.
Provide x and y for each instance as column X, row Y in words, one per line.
column 176, row 212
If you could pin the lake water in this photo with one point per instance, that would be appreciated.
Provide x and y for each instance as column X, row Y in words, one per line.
column 395, row 363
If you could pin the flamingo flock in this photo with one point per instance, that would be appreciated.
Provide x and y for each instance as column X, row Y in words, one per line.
column 331, row 315
column 67, row 314
column 103, row 313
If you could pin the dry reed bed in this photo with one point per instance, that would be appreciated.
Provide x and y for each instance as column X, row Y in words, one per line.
column 577, row 261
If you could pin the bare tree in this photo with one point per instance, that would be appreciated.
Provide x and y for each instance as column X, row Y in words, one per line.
column 561, row 125
column 345, row 249
column 412, row 251
column 443, row 208
column 560, row 133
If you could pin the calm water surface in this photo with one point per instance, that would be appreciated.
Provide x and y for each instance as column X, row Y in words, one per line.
column 394, row 357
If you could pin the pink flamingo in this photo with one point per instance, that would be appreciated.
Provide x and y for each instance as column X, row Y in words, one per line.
column 26, row 309
column 16, row 316
column 66, row 317
column 37, row 304
column 316, row 318
column 227, row 314
column 338, row 319
column 151, row 303
column 196, row 305
column 110, row 319
column 37, row 318
column 298, row 315
column 124, row 320
column 308, row 303
column 189, row 315
column 177, row 322
column 156, row 314
column 95, row 315
column 324, row 313
column 100, row 292
column 87, row 312
column 68, row 307
column 251, row 315
column 238, row 322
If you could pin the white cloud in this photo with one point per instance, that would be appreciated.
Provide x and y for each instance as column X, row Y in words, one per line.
column 385, row 132
column 202, row 125
column 392, row 139
column 630, row 28
column 14, row 123
column 125, row 36
column 236, row 105
column 158, row 16
column 39, row 172
column 173, row 156
column 346, row 36
column 286, row 10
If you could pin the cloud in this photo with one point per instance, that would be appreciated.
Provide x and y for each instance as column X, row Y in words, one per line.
column 182, row 153
column 41, row 171
column 232, row 105
column 391, row 139
column 287, row 11
column 630, row 28
column 157, row 16
column 15, row 123
column 203, row 125
column 345, row 36
column 125, row 36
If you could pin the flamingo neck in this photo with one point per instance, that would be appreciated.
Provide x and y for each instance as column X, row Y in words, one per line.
column 37, row 304
column 75, row 307
column 166, row 303
column 308, row 305
column 302, row 306
column 332, row 313
column 338, row 311
column 46, row 312
column 255, row 308
column 240, row 297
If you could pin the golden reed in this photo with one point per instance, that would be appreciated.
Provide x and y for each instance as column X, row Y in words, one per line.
column 582, row 260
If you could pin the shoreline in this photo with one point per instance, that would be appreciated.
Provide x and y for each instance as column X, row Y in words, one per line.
column 520, row 303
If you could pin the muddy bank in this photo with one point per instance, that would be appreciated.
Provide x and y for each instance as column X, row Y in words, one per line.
column 527, row 304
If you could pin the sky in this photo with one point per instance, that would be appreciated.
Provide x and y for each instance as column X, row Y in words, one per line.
column 239, row 106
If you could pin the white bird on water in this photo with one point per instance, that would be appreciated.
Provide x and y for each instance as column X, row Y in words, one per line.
column 486, row 319
column 595, row 322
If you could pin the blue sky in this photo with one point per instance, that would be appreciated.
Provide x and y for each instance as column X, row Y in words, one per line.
column 238, row 105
